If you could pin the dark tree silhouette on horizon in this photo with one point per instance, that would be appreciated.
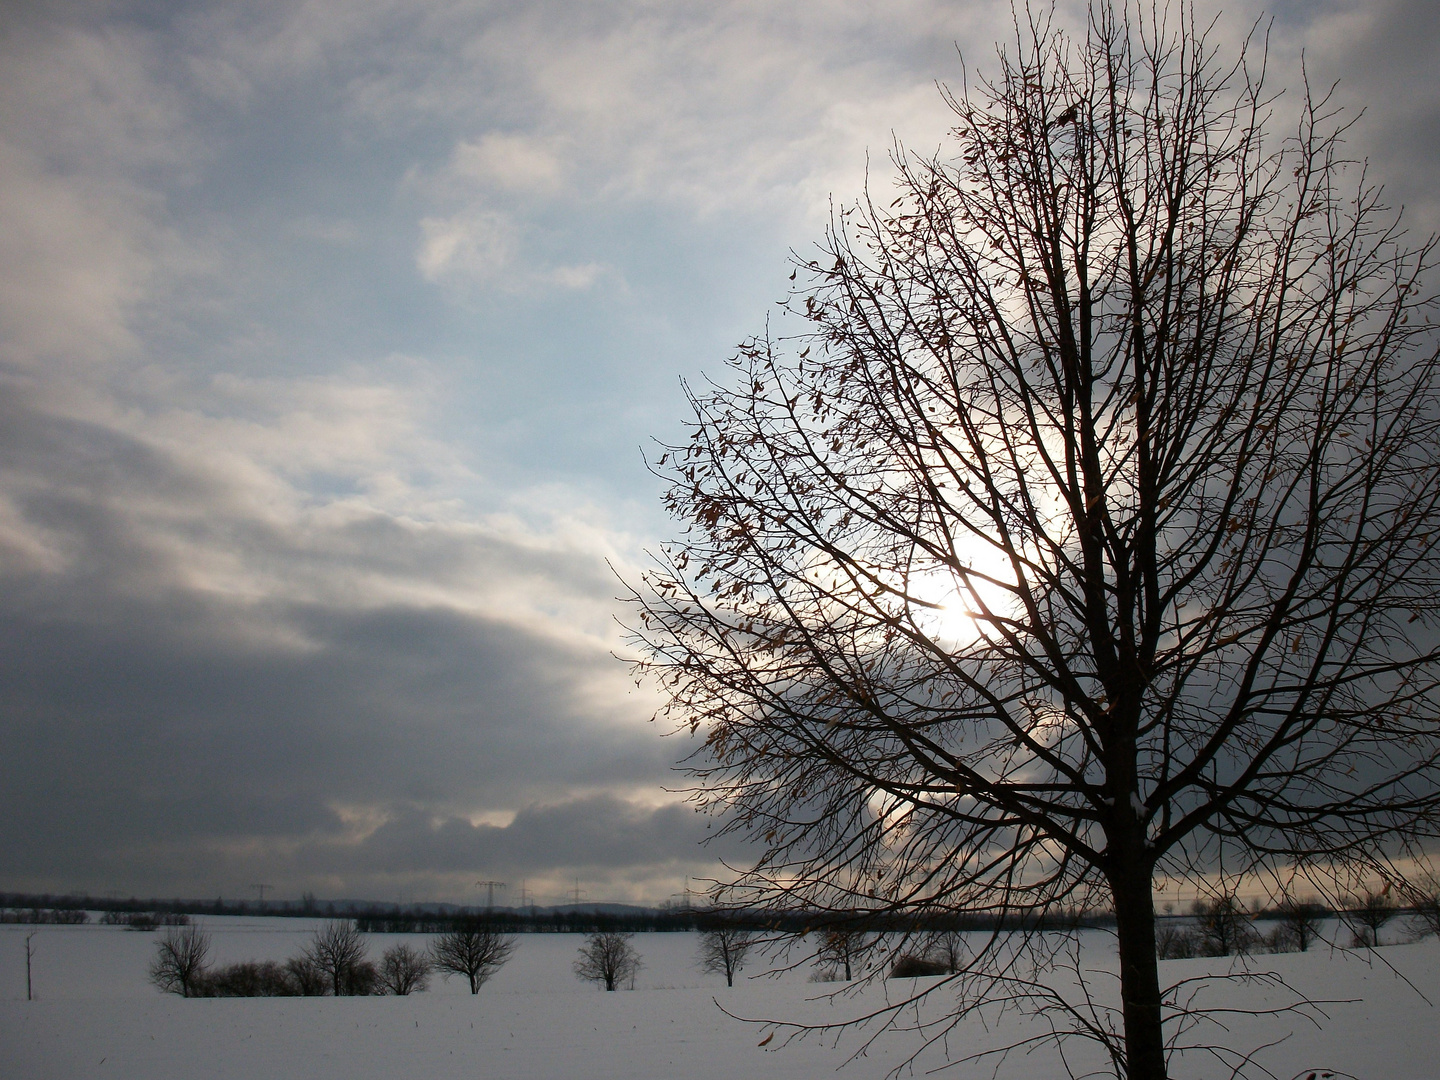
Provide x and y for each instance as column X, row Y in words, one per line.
column 337, row 952
column 181, row 956
column 608, row 959
column 723, row 951
column 1083, row 534
column 473, row 950
column 404, row 970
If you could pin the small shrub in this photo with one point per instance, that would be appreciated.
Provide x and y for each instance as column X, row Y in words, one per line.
column 1281, row 939
column 361, row 980
column 143, row 920
column 403, row 971
column 911, row 966
column 249, row 978
column 309, row 980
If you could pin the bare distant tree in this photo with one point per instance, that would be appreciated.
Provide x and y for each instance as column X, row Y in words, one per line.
column 179, row 964
column 1425, row 915
column 1086, row 532
column 1301, row 920
column 609, row 960
column 337, row 950
column 1175, row 942
column 723, row 951
column 1368, row 914
column 404, row 970
column 1223, row 927
column 946, row 947
column 839, row 950
column 474, row 950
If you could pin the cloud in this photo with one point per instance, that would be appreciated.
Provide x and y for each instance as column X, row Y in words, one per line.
column 209, row 667
column 512, row 162
column 479, row 244
column 1382, row 54
column 594, row 835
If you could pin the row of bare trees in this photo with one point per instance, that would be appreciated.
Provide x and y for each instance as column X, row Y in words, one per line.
column 1222, row 926
column 334, row 963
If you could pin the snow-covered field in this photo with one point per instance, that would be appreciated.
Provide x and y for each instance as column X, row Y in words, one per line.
column 95, row 1015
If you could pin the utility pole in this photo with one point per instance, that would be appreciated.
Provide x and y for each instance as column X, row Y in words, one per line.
column 261, row 890
column 685, row 896
column 29, row 990
column 491, row 886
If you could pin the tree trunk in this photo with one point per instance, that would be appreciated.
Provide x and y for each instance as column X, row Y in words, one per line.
column 1139, row 972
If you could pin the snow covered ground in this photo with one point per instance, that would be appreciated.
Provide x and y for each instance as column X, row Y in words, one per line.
column 95, row 1015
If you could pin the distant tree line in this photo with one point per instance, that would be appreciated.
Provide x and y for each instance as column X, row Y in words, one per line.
column 41, row 916
column 1222, row 926
column 144, row 920
column 702, row 920
column 45, row 908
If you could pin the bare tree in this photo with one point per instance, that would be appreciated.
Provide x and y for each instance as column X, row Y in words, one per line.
column 1175, row 942
column 946, row 948
column 337, row 950
column 1425, row 913
column 1301, row 920
column 1223, row 927
column 840, row 950
column 1368, row 914
column 180, row 960
column 474, row 950
column 609, row 960
column 723, row 951
column 404, row 970
column 1084, row 532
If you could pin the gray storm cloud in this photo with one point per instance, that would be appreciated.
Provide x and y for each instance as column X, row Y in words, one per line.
column 145, row 709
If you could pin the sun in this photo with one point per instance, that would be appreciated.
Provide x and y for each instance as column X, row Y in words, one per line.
column 952, row 607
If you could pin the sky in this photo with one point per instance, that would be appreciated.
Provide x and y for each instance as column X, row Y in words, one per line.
column 334, row 335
